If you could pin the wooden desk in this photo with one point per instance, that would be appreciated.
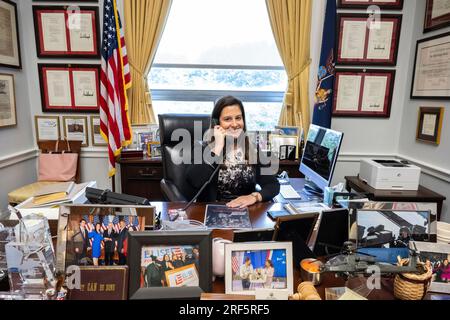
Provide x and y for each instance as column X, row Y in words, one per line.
column 421, row 195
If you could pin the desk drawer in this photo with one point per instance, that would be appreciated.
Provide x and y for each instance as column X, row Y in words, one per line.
column 143, row 173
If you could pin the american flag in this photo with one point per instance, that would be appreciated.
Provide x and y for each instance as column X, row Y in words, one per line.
column 235, row 263
column 115, row 80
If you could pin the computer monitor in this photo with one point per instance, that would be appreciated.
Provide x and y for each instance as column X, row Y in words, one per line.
column 319, row 158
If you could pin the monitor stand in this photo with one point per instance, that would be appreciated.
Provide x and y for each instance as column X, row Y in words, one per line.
column 311, row 189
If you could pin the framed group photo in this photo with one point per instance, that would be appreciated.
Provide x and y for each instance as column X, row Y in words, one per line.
column 69, row 88
column 9, row 37
column 47, row 128
column 431, row 68
column 362, row 4
column 76, row 128
column 363, row 93
column 437, row 15
column 66, row 31
column 429, row 124
column 366, row 41
column 7, row 101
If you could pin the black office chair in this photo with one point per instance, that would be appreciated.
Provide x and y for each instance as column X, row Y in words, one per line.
column 174, row 186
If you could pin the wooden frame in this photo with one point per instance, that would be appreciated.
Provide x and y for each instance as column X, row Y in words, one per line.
column 351, row 99
column 48, row 127
column 60, row 92
column 434, row 54
column 429, row 124
column 10, row 50
column 69, row 34
column 75, row 133
column 388, row 5
column 96, row 137
column 8, row 113
column 436, row 16
column 368, row 46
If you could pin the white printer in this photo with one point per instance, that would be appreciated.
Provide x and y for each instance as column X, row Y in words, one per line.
column 390, row 174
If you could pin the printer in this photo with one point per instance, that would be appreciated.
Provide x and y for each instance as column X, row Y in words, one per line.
column 390, row 174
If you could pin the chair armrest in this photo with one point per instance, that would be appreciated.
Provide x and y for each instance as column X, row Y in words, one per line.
column 171, row 192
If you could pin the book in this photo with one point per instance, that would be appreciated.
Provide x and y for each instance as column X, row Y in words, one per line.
column 55, row 188
column 49, row 198
column 57, row 198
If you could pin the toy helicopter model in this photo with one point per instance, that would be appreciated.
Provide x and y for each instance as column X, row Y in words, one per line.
column 351, row 263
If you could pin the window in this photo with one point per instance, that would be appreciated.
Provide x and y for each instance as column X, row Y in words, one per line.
column 212, row 48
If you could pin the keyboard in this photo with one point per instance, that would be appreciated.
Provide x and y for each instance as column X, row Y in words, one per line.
column 288, row 192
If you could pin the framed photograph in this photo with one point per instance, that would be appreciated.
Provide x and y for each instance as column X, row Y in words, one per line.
column 436, row 256
column 437, row 15
column 69, row 88
column 169, row 265
column 63, row 32
column 9, row 37
column 258, row 265
column 363, row 4
column 222, row 217
column 363, row 93
column 364, row 41
column 96, row 137
column 281, row 145
column 7, row 100
column 75, row 128
column 47, row 128
column 429, row 124
column 154, row 149
column 431, row 71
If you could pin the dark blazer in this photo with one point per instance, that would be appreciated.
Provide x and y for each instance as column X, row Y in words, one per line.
column 198, row 174
column 81, row 242
column 122, row 235
column 109, row 245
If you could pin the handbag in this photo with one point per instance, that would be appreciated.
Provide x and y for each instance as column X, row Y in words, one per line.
column 58, row 166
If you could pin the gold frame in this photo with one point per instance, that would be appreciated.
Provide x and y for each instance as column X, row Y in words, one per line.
column 12, row 102
column 36, row 126
column 93, row 134
column 65, row 118
column 436, row 138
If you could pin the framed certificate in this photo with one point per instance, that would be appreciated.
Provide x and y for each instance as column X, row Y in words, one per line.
column 362, row 4
column 363, row 93
column 430, row 124
column 7, row 101
column 47, row 128
column 9, row 36
column 69, row 88
column 437, row 15
column 96, row 137
column 63, row 32
column 75, row 128
column 431, row 77
column 363, row 41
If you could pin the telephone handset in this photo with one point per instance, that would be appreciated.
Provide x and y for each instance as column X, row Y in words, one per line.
column 214, row 122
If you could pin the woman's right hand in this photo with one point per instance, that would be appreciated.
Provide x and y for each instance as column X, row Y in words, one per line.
column 219, row 139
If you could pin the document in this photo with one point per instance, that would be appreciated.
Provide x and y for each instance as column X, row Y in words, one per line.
column 6, row 36
column 47, row 128
column 353, row 39
column 54, row 32
column 58, row 88
column 380, row 40
column 75, row 129
column 85, row 88
column 440, row 8
column 429, row 124
column 348, row 92
column 374, row 96
column 81, row 32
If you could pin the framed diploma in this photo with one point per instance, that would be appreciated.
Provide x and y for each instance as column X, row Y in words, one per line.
column 75, row 128
column 7, row 101
column 63, row 32
column 9, row 35
column 69, row 88
column 363, row 93
column 362, row 4
column 431, row 77
column 47, row 128
column 430, row 124
column 363, row 41
column 96, row 137
column 437, row 15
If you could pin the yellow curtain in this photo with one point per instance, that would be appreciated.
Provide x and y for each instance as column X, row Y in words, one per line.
column 144, row 24
column 291, row 26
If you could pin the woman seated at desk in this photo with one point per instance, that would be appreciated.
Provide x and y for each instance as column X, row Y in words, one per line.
column 240, row 166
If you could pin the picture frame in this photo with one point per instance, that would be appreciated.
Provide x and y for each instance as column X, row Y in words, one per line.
column 47, row 128
column 271, row 267
column 67, row 31
column 8, row 113
column 434, row 255
column 361, row 40
column 287, row 130
column 279, row 141
column 140, row 243
column 382, row 4
column 437, row 15
column 10, row 50
column 429, row 124
column 154, row 149
column 96, row 137
column 363, row 93
column 431, row 72
column 76, row 128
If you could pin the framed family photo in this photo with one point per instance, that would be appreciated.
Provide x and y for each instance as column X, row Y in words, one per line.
column 9, row 37
column 429, row 124
column 7, row 101
column 437, row 15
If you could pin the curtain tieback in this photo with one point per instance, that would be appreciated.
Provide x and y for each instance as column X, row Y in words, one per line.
column 136, row 69
column 306, row 65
